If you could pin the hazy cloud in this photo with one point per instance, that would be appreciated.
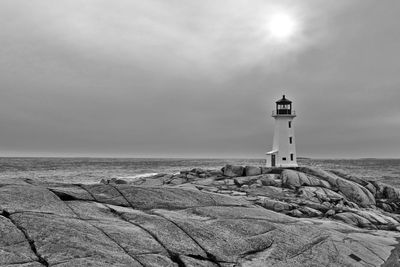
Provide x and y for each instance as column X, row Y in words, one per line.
column 197, row 78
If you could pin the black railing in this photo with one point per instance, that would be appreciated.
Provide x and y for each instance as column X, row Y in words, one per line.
column 283, row 112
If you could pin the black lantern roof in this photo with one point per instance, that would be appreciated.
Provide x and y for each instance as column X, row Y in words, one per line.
column 284, row 101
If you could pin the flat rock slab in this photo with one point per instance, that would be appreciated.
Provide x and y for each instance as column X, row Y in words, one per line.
column 145, row 198
column 21, row 198
column 225, row 239
column 60, row 239
column 171, row 237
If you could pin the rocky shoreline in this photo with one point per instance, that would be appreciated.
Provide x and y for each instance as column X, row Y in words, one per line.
column 236, row 216
column 298, row 192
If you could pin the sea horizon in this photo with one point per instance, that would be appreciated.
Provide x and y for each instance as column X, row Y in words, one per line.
column 200, row 157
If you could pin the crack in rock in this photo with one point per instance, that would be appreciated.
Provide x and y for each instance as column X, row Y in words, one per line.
column 31, row 242
column 173, row 256
column 63, row 196
column 108, row 236
column 90, row 193
column 210, row 256
column 309, row 246
column 112, row 239
column 126, row 199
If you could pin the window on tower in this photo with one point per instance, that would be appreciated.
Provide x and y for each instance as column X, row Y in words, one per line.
column 291, row 157
column 284, row 158
column 290, row 140
column 290, row 124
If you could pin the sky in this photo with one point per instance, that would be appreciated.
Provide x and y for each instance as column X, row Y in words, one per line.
column 156, row 78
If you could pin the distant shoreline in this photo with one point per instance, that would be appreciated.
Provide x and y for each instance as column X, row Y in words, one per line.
column 186, row 158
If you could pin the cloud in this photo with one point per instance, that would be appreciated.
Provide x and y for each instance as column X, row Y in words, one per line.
column 206, row 37
column 151, row 76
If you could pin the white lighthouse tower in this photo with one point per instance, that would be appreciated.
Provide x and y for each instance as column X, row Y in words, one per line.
column 283, row 153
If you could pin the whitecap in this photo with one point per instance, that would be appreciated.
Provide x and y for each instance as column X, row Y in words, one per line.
column 137, row 176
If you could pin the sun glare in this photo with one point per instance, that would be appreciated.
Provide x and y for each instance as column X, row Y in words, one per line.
column 282, row 26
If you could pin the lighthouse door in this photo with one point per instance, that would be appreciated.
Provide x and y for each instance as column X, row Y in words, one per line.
column 273, row 160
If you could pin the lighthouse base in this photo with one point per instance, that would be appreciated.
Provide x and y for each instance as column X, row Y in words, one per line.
column 274, row 160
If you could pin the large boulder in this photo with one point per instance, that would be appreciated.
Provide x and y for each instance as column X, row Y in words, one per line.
column 351, row 190
column 386, row 191
column 295, row 179
column 356, row 193
column 233, row 171
column 252, row 171
column 271, row 180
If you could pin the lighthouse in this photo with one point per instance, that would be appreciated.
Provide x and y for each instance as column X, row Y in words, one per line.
column 283, row 153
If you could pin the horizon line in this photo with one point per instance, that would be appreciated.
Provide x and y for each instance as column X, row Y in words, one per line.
column 188, row 157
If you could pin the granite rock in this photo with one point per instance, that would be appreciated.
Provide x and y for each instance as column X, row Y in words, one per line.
column 233, row 171
column 252, row 171
column 311, row 218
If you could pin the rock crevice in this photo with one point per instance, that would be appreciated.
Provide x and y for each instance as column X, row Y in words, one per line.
column 173, row 256
column 30, row 241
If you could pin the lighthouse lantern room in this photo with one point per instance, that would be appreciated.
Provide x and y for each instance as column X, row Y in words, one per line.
column 283, row 153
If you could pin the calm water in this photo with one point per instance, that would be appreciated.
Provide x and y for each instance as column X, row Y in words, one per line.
column 89, row 170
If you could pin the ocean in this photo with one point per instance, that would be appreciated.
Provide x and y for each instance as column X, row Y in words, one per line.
column 92, row 170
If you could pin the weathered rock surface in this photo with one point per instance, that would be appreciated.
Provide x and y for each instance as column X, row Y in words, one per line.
column 233, row 171
column 294, row 179
column 241, row 216
column 252, row 171
column 351, row 190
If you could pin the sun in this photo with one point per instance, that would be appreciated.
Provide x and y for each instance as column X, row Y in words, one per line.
column 282, row 26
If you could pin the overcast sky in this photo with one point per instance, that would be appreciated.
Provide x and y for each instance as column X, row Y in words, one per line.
column 196, row 78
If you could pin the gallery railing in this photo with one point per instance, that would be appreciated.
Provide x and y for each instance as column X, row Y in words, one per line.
column 284, row 112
